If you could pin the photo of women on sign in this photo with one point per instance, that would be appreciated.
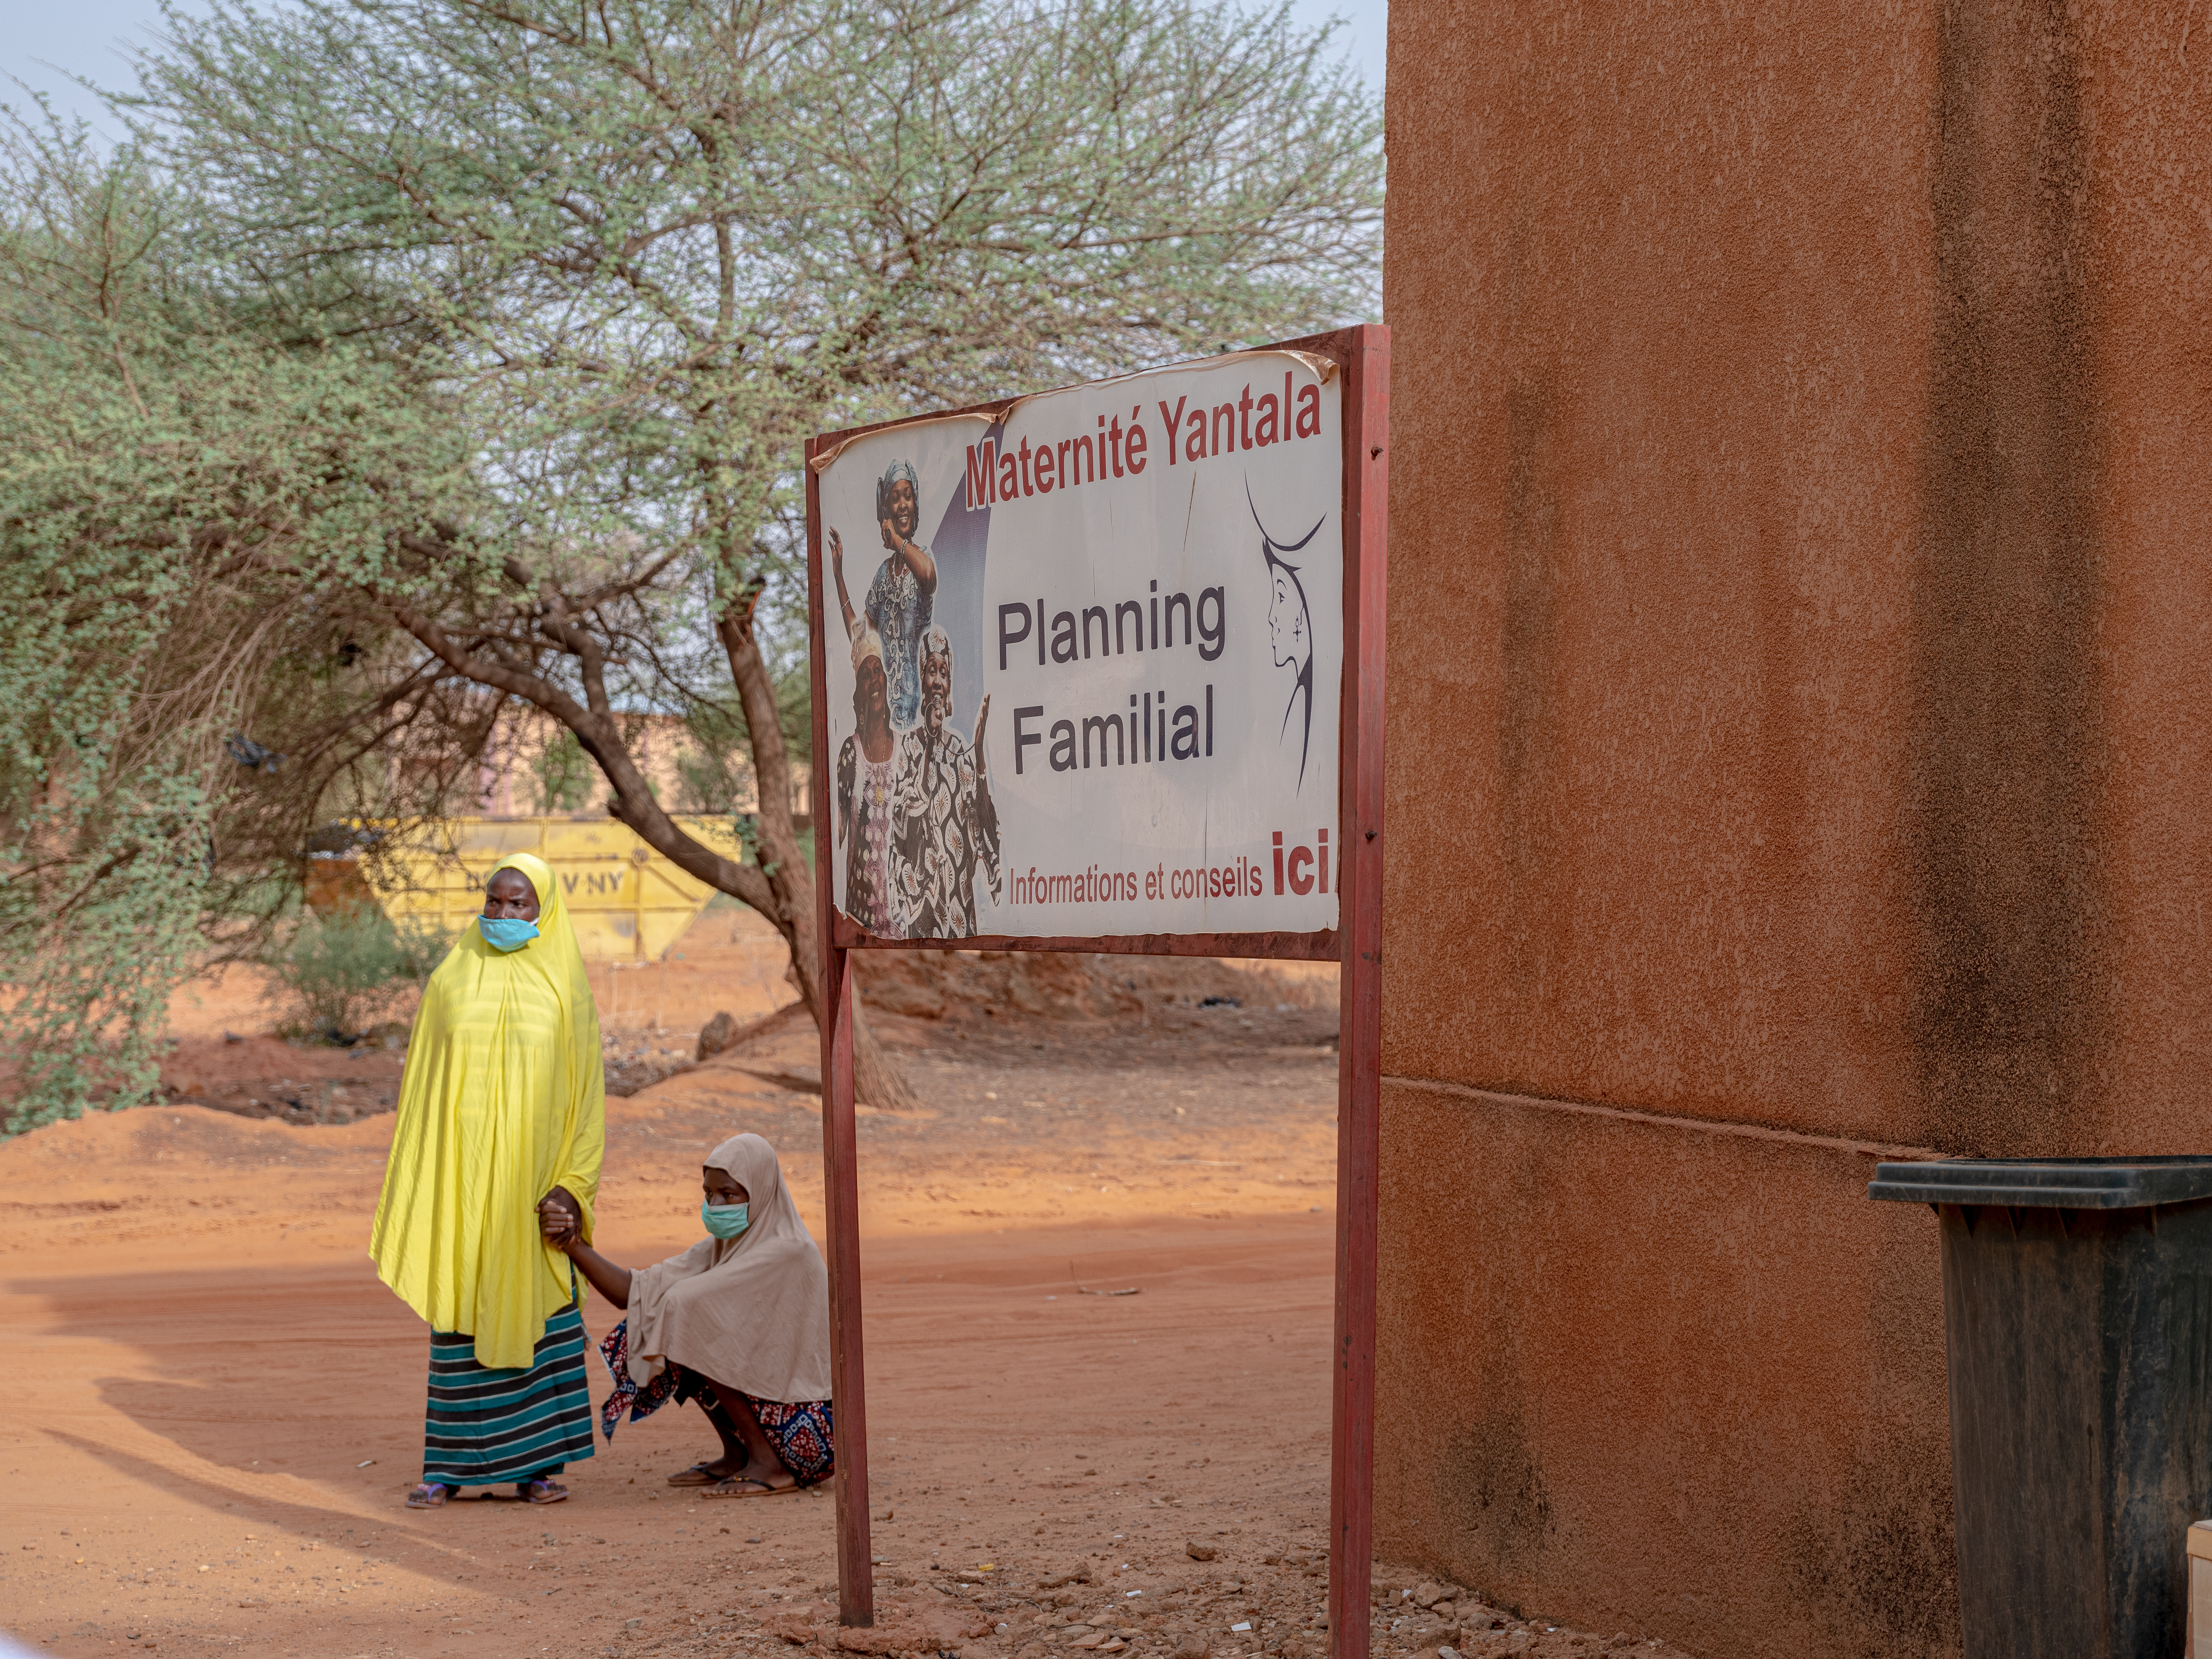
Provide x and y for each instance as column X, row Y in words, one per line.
column 868, row 772
column 915, row 822
column 902, row 592
column 944, row 824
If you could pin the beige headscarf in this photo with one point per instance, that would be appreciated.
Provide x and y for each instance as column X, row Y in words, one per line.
column 867, row 643
column 753, row 1312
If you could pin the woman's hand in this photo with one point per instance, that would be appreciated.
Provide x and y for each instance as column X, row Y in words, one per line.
column 560, row 1220
column 556, row 1226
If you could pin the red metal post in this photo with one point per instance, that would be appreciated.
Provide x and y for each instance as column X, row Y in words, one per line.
column 1359, row 1068
column 856, row 1581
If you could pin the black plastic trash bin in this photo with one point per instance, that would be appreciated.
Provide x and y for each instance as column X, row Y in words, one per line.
column 2077, row 1309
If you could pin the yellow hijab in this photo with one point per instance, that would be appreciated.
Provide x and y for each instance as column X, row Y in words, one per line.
column 503, row 1100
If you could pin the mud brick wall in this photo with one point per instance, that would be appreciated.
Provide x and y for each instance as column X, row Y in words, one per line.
column 1800, row 747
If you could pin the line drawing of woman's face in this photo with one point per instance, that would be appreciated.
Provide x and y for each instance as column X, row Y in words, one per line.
column 1290, row 627
column 1290, row 630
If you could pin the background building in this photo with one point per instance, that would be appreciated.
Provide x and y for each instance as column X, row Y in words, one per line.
column 1800, row 652
column 534, row 764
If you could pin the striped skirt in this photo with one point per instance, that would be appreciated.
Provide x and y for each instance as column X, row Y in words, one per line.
column 485, row 1427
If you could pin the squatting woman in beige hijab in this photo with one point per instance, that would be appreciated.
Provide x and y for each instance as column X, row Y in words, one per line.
column 740, row 1322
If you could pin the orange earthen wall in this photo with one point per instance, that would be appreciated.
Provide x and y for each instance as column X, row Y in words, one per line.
column 1801, row 717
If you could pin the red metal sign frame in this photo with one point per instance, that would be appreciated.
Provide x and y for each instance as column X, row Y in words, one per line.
column 1362, row 355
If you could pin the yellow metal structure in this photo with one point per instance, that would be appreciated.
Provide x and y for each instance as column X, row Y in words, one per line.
column 628, row 903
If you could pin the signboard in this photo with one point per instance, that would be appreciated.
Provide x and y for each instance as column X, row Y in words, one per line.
column 1083, row 657
column 1102, row 670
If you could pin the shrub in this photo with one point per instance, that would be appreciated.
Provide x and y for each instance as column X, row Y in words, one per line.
column 338, row 974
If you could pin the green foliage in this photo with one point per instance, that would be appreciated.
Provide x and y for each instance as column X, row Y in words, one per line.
column 564, row 775
column 712, row 771
column 102, row 839
column 715, row 772
column 794, row 702
column 338, row 974
column 162, row 469
column 640, row 254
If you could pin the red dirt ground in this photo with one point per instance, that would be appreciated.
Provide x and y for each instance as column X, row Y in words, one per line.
column 218, row 1407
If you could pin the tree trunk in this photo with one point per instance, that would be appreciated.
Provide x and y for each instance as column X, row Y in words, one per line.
column 875, row 1078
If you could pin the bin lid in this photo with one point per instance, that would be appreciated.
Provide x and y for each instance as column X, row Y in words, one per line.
column 2064, row 1183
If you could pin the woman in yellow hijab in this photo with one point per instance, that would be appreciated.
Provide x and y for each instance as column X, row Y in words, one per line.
column 503, row 1116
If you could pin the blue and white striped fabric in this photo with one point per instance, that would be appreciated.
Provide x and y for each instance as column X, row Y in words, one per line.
column 485, row 1427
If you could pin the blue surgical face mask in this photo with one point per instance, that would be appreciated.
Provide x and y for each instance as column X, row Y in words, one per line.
column 505, row 932
column 724, row 1220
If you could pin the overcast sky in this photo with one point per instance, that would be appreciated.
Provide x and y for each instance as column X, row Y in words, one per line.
column 83, row 37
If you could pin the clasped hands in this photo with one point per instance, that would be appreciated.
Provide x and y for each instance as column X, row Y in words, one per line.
column 560, row 1219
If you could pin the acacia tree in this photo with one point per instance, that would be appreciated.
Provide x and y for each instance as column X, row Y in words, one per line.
column 638, row 249
column 164, row 473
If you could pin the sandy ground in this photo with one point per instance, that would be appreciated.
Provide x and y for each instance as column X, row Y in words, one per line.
column 219, row 1408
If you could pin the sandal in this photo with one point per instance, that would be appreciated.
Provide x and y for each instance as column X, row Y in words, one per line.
column 542, row 1491
column 699, row 1474
column 736, row 1485
column 430, row 1495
